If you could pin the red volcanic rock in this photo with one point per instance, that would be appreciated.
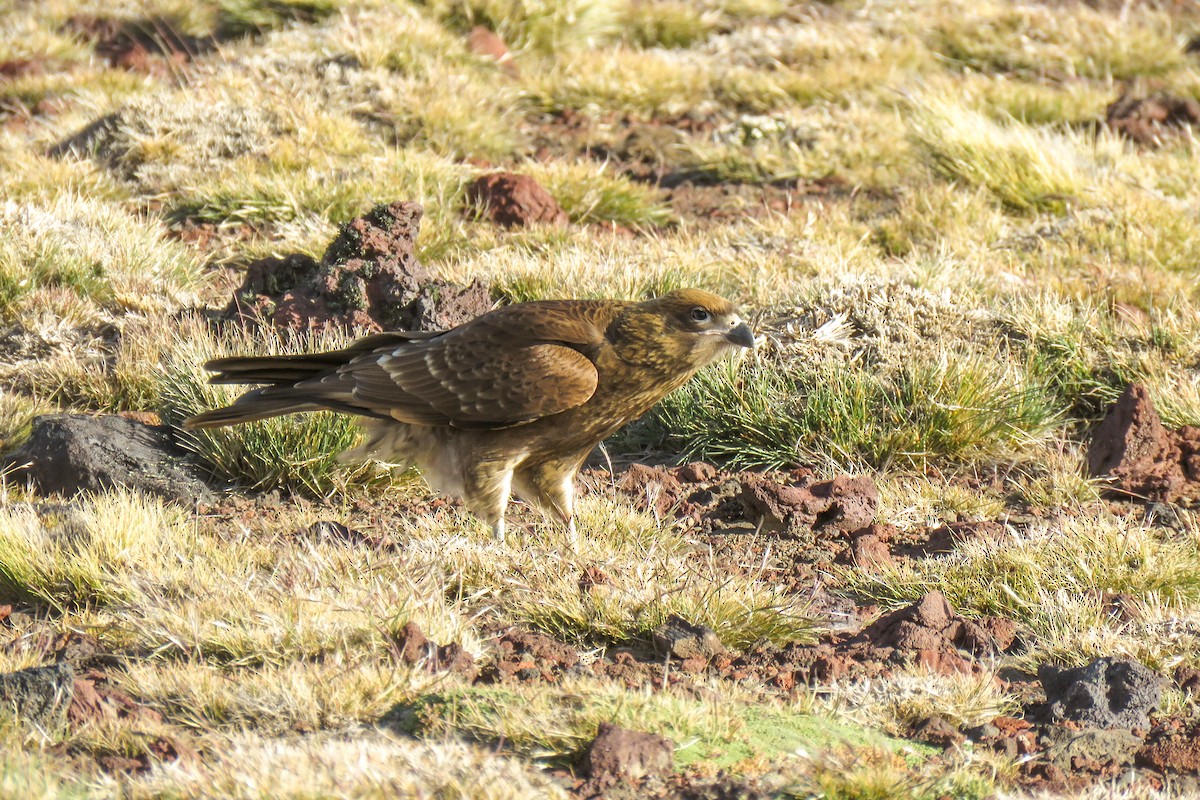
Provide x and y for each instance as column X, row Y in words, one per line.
column 1140, row 456
column 514, row 200
column 369, row 278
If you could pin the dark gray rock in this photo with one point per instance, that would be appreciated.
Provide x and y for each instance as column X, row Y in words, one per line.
column 681, row 639
column 1107, row 693
column 71, row 453
column 38, row 695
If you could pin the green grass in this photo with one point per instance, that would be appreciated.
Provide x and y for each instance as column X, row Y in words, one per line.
column 554, row 723
column 73, row 555
column 248, row 17
column 1026, row 170
column 651, row 578
column 592, row 193
column 1040, row 40
column 295, row 452
column 770, row 414
column 92, row 250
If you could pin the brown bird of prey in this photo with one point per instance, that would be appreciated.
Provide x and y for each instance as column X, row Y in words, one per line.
column 511, row 402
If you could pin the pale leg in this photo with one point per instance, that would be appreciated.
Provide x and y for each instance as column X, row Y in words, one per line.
column 572, row 535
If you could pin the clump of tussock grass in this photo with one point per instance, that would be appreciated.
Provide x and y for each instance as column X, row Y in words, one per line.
column 844, row 415
column 427, row 47
column 86, row 553
column 77, row 368
column 1140, row 232
column 455, row 116
column 92, row 250
column 859, row 775
column 647, row 83
column 1026, row 170
column 910, row 500
column 1031, row 102
column 273, row 699
column 37, row 179
column 814, row 61
column 752, row 149
column 1086, row 358
column 294, row 145
column 30, row 771
column 596, row 265
column 675, row 24
column 423, row 90
column 16, row 417
column 1056, row 481
column 594, row 193
column 938, row 222
column 1163, row 636
column 282, row 596
column 900, row 701
column 336, row 191
column 1034, row 40
column 542, row 25
column 860, row 146
column 294, row 452
column 669, row 23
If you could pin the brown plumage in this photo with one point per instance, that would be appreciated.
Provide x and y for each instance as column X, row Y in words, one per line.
column 510, row 402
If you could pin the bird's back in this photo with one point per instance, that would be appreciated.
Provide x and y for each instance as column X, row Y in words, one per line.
column 511, row 366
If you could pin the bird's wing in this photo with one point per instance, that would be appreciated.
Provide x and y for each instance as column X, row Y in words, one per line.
column 499, row 370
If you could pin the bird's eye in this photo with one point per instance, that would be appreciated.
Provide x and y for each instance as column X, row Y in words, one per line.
column 700, row 315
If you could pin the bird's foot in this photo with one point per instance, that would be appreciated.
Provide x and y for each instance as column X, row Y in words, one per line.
column 572, row 535
column 498, row 531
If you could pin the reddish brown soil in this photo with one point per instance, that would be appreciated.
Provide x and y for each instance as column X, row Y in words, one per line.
column 1172, row 747
column 151, row 44
column 412, row 647
column 1150, row 120
column 483, row 42
column 96, row 698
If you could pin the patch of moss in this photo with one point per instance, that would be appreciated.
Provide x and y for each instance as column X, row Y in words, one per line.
column 764, row 733
column 774, row 732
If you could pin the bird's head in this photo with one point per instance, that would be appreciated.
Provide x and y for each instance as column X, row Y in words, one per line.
column 686, row 328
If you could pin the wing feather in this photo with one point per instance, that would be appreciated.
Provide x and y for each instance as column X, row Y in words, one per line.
column 508, row 367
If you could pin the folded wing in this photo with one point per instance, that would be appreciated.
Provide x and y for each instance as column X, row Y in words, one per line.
column 506, row 368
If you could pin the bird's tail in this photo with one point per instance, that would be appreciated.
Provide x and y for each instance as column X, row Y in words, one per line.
column 285, row 378
column 280, row 396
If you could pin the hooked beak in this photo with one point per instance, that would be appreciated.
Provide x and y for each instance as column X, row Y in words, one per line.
column 741, row 335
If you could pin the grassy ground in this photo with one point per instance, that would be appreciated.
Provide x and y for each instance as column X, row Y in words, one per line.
column 955, row 265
